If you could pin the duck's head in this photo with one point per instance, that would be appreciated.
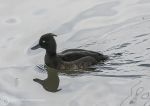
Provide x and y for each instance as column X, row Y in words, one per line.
column 47, row 42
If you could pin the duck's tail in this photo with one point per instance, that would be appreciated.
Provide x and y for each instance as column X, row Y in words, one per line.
column 103, row 57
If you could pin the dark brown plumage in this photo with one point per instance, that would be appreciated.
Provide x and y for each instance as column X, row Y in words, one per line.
column 68, row 59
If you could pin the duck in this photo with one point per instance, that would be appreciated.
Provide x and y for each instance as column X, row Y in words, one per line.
column 70, row 59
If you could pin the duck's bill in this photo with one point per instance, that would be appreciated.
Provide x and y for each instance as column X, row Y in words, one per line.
column 35, row 47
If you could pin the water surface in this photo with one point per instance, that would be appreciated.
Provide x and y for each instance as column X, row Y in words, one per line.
column 117, row 28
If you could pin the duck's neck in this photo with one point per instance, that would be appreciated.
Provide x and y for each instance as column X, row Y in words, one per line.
column 51, row 59
column 51, row 53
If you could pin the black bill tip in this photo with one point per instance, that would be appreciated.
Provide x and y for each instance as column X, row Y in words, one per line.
column 35, row 47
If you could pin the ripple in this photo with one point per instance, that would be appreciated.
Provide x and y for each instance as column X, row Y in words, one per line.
column 123, row 45
column 142, row 41
column 11, row 21
column 148, row 48
column 142, row 35
column 138, row 57
column 144, row 65
column 119, row 46
column 95, row 11
column 108, row 68
column 122, row 76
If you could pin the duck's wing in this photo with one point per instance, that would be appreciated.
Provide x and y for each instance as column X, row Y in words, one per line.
column 75, row 54
column 72, row 50
column 82, row 63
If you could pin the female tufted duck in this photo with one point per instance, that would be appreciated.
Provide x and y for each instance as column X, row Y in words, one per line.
column 68, row 59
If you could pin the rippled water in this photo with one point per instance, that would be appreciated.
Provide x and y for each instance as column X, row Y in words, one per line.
column 117, row 28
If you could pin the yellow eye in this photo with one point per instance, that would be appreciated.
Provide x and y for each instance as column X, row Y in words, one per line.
column 43, row 41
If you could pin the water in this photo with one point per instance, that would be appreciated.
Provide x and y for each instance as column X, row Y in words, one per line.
column 117, row 28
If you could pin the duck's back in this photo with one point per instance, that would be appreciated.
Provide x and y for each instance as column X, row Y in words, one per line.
column 75, row 54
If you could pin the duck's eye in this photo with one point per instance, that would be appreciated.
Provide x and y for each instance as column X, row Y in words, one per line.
column 43, row 41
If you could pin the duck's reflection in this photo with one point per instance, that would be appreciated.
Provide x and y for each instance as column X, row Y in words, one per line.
column 52, row 82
